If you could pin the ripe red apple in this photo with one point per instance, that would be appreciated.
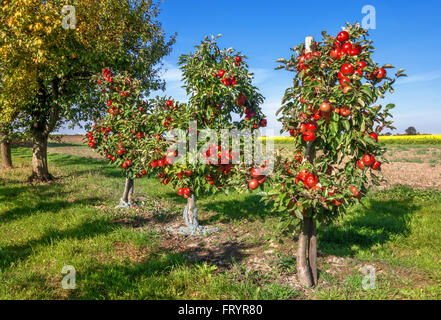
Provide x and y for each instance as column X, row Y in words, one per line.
column 255, row 173
column 347, row 46
column 380, row 73
column 347, row 69
column 261, row 180
column 353, row 52
column 358, row 72
column 311, row 126
column 374, row 135
column 253, row 184
column 334, row 54
column 309, row 136
column 310, row 180
column 345, row 81
column 343, row 36
column 368, row 159
column 221, row 73
column 360, row 164
column 376, row 165
column 361, row 64
column 241, row 101
column 325, row 107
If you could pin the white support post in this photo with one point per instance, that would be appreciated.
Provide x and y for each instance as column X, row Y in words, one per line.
column 308, row 42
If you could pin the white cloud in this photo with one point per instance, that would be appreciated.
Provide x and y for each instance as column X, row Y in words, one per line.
column 422, row 77
column 260, row 75
column 172, row 73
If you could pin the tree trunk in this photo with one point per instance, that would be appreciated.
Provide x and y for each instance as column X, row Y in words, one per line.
column 128, row 191
column 190, row 214
column 40, row 171
column 312, row 255
column 303, row 268
column 191, row 202
column 307, row 247
column 5, row 150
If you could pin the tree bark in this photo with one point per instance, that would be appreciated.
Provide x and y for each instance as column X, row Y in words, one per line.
column 40, row 171
column 45, row 117
column 307, row 247
column 5, row 150
column 303, row 268
column 312, row 254
column 128, row 191
column 191, row 205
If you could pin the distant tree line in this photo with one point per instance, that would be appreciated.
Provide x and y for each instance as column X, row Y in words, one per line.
column 411, row 131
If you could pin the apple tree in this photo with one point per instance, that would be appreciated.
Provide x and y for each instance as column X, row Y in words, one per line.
column 127, row 136
column 221, row 99
column 332, row 112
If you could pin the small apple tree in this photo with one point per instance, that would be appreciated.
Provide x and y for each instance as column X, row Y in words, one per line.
column 332, row 114
column 128, row 135
column 220, row 88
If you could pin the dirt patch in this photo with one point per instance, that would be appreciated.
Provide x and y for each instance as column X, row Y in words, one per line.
column 76, row 139
column 416, row 175
column 133, row 253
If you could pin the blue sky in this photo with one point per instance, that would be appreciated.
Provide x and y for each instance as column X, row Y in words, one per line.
column 407, row 35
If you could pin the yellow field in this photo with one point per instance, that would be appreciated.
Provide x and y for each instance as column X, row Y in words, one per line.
column 420, row 139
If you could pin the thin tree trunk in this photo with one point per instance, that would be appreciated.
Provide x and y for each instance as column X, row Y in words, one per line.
column 128, row 191
column 191, row 206
column 307, row 247
column 40, row 171
column 303, row 269
column 5, row 150
column 312, row 255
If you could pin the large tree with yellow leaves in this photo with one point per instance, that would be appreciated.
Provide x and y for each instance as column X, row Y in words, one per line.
column 50, row 50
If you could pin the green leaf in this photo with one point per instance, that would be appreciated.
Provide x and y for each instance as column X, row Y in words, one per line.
column 388, row 66
column 346, row 125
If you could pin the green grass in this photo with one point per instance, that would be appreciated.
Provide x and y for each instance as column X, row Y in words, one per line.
column 72, row 222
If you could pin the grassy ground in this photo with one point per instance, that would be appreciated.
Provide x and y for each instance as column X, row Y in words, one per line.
column 128, row 255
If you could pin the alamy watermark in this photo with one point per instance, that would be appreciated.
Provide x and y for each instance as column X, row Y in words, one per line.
column 369, row 20
column 69, row 280
column 69, row 20
column 220, row 147
column 370, row 277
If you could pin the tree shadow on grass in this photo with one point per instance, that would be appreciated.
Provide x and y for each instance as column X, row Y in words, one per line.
column 147, row 279
column 40, row 198
column 251, row 208
column 77, row 165
column 151, row 278
column 9, row 255
column 367, row 228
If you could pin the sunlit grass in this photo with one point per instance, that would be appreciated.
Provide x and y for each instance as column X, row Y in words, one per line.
column 43, row 227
